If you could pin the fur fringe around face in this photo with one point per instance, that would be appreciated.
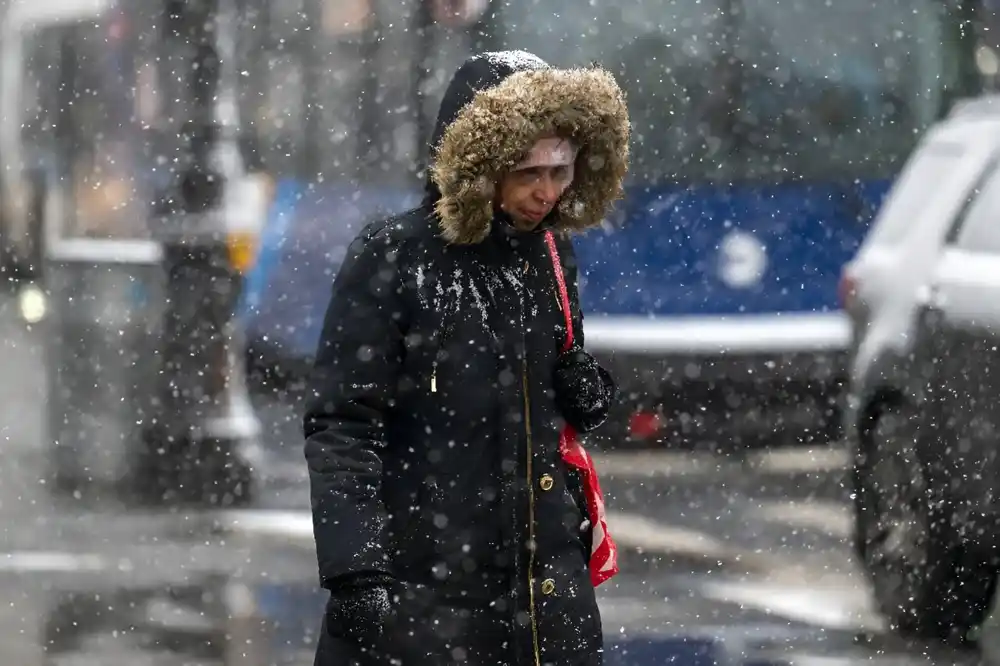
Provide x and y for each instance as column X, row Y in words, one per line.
column 494, row 132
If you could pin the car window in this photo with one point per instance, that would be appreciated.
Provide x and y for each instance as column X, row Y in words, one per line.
column 919, row 182
column 979, row 229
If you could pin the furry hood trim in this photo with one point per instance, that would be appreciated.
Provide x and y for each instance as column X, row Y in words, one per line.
column 495, row 131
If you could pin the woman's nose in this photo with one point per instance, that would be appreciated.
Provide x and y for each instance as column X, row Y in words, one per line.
column 548, row 190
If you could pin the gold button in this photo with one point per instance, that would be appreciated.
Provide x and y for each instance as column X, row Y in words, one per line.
column 548, row 586
column 546, row 482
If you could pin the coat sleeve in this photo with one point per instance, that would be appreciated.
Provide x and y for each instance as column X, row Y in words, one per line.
column 353, row 386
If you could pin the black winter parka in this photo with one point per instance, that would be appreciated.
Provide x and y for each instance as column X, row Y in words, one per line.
column 432, row 435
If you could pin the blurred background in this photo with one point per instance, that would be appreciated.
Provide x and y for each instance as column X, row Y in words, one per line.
column 799, row 296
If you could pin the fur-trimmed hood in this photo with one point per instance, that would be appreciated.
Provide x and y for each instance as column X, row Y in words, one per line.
column 495, row 108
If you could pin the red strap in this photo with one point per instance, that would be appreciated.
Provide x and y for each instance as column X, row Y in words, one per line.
column 550, row 241
column 604, row 553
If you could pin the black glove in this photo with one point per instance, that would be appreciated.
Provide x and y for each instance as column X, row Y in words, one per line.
column 359, row 606
column 584, row 390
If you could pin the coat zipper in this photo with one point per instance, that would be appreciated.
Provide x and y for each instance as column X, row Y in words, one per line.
column 531, row 516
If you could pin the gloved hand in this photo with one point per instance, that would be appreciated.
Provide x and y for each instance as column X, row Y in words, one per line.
column 359, row 606
column 584, row 390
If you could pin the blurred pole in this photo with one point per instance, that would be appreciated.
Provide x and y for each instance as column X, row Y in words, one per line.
column 206, row 428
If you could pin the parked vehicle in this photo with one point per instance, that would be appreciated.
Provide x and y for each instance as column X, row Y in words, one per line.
column 922, row 417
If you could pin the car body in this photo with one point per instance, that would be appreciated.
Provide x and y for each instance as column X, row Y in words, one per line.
column 922, row 416
column 879, row 285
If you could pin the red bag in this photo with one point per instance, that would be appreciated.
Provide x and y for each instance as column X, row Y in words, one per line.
column 604, row 552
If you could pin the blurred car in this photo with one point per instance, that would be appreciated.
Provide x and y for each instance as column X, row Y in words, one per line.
column 286, row 295
column 923, row 296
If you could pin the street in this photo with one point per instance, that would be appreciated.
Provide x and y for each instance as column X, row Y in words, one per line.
column 725, row 559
